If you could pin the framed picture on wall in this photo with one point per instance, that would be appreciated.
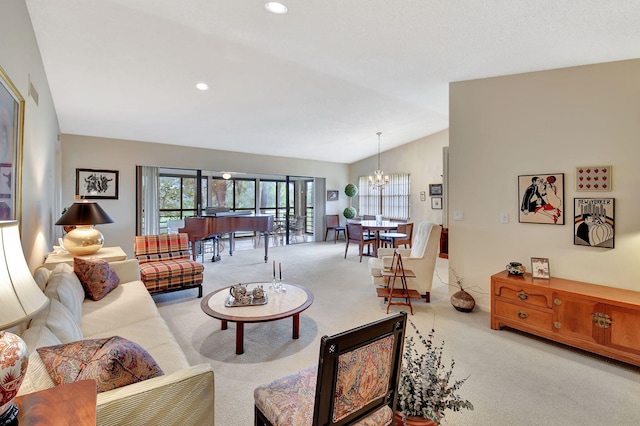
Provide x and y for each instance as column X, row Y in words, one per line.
column 436, row 203
column 332, row 195
column 593, row 178
column 435, row 189
column 11, row 136
column 541, row 198
column 95, row 184
column 594, row 222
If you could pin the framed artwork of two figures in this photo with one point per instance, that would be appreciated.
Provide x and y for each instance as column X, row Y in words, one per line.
column 541, row 200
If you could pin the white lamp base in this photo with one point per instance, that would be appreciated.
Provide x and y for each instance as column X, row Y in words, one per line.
column 83, row 240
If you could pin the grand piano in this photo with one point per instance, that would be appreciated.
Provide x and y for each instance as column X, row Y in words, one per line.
column 219, row 221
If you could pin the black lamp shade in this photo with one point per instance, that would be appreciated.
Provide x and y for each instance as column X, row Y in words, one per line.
column 84, row 213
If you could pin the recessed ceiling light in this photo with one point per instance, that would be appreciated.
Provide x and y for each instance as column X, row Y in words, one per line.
column 202, row 86
column 275, row 7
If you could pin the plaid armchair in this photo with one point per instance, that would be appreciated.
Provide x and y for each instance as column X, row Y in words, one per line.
column 165, row 263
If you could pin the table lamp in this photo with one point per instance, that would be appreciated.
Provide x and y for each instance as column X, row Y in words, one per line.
column 84, row 239
column 20, row 299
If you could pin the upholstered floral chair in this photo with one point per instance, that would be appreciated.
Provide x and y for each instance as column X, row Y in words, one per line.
column 421, row 259
column 354, row 383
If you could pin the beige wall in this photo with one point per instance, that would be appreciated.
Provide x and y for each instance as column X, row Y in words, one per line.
column 543, row 122
column 122, row 155
column 20, row 59
column 422, row 159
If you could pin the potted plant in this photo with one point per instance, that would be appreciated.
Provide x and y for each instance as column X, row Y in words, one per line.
column 426, row 388
column 350, row 191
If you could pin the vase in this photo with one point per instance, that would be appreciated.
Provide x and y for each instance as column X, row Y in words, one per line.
column 516, row 268
column 463, row 301
column 413, row 421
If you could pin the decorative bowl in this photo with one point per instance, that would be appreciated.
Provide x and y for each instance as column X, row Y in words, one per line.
column 516, row 268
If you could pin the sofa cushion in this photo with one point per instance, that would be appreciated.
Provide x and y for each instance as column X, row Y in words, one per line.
column 96, row 277
column 38, row 336
column 154, row 335
column 64, row 286
column 41, row 276
column 60, row 321
column 112, row 362
column 129, row 303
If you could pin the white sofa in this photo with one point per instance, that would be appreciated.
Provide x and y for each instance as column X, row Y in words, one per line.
column 421, row 259
column 184, row 395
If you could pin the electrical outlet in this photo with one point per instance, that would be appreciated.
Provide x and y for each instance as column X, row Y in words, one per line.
column 458, row 215
column 504, row 217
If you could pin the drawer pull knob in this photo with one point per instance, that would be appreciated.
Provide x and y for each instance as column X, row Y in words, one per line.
column 522, row 295
column 557, row 301
column 522, row 314
column 557, row 324
column 601, row 320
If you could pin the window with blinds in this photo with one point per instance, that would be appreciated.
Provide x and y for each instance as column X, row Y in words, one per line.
column 392, row 200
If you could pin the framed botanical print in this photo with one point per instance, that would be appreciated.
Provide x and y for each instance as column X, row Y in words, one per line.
column 594, row 222
column 541, row 198
column 11, row 136
column 93, row 184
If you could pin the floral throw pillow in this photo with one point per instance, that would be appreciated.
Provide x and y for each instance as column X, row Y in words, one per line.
column 112, row 362
column 96, row 276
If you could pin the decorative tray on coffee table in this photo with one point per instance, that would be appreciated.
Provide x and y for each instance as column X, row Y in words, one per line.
column 255, row 297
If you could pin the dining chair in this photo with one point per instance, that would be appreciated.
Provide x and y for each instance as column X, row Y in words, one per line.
column 356, row 235
column 403, row 228
column 333, row 224
column 296, row 229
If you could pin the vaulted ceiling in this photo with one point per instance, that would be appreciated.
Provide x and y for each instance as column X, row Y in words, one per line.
column 317, row 82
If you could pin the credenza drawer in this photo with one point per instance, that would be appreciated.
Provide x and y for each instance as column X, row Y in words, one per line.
column 524, row 314
column 523, row 294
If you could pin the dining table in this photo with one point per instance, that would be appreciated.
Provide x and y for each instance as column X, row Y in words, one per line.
column 377, row 226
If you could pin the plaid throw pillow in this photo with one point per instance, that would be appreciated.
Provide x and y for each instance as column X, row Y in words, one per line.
column 96, row 276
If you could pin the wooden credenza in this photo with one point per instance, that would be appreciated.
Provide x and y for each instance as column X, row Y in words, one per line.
column 596, row 318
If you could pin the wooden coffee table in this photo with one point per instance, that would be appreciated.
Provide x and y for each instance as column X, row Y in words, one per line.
column 279, row 306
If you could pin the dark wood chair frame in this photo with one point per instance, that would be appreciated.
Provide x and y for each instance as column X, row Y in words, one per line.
column 331, row 348
column 355, row 234
column 333, row 224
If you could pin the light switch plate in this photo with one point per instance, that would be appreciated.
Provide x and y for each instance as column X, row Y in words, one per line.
column 458, row 215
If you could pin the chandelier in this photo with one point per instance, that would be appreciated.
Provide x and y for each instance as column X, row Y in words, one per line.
column 378, row 180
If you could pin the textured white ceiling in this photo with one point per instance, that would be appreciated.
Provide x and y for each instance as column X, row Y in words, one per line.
column 316, row 83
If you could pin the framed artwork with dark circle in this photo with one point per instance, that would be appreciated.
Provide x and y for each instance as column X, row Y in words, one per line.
column 594, row 222
column 435, row 189
column 332, row 195
column 97, row 184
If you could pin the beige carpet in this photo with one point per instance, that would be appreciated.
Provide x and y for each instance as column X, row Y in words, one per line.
column 514, row 379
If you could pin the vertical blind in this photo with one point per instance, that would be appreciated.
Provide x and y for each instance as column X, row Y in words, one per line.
column 392, row 201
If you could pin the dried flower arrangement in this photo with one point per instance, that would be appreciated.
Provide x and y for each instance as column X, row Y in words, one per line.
column 426, row 389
